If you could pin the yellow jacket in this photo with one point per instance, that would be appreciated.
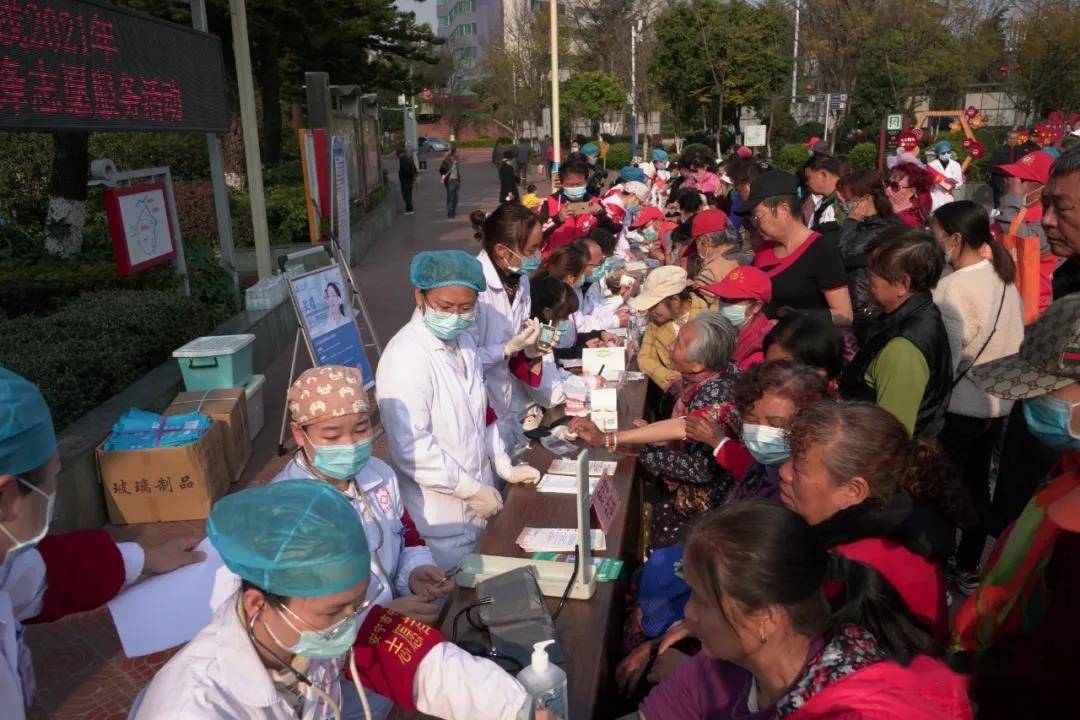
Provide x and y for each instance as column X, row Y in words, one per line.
column 654, row 358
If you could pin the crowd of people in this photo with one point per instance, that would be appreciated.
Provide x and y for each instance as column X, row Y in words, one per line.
column 852, row 386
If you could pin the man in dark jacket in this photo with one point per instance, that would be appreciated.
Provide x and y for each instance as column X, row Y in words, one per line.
column 407, row 178
column 521, row 159
column 508, row 189
column 1008, row 153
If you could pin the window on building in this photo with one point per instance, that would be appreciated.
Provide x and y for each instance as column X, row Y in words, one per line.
column 444, row 21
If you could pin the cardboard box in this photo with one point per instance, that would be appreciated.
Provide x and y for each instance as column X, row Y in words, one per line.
column 228, row 407
column 164, row 484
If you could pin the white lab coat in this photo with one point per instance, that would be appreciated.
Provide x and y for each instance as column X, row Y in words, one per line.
column 497, row 320
column 22, row 591
column 939, row 195
column 595, row 313
column 219, row 676
column 434, row 409
column 392, row 563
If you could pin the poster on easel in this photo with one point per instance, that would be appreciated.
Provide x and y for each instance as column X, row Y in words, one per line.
column 326, row 314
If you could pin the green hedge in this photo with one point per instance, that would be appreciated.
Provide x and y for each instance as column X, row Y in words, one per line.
column 46, row 285
column 94, row 347
column 618, row 156
column 863, row 156
column 286, row 214
column 791, row 157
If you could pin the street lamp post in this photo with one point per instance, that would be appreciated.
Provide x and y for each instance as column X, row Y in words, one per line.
column 635, row 30
column 795, row 59
column 555, row 135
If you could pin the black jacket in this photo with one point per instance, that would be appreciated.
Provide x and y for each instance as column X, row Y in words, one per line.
column 917, row 525
column 919, row 321
column 406, row 171
column 507, row 183
column 852, row 238
column 1004, row 155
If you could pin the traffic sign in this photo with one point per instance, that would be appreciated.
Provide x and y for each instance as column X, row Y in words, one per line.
column 894, row 122
column 837, row 102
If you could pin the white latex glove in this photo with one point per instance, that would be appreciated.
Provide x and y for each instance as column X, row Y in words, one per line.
column 486, row 502
column 524, row 474
column 525, row 339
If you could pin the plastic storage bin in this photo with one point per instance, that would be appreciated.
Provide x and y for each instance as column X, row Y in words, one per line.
column 256, row 410
column 216, row 362
column 266, row 294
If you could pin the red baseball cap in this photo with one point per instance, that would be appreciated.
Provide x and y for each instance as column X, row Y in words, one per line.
column 1035, row 166
column 812, row 142
column 708, row 221
column 743, row 283
column 647, row 215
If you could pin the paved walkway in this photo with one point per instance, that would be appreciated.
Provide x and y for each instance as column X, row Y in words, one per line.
column 82, row 672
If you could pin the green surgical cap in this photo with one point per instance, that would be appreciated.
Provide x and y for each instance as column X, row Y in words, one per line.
column 443, row 268
column 295, row 538
column 27, row 440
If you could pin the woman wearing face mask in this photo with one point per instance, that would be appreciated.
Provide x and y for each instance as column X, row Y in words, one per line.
column 332, row 428
column 772, row 647
column 45, row 578
column 1021, row 620
column 948, row 175
column 433, row 405
column 867, row 213
column 565, row 264
column 511, row 240
column 719, row 248
column 688, row 202
column 908, row 191
column 874, row 495
column 688, row 480
column 984, row 319
column 562, row 214
column 741, row 297
column 621, row 206
column 305, row 621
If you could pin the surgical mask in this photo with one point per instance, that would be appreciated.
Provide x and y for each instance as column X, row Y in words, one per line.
column 767, row 444
column 597, row 274
column 341, row 462
column 565, row 326
column 448, row 326
column 326, row 644
column 1048, row 419
column 22, row 546
column 735, row 314
column 592, row 159
column 574, row 193
column 945, row 156
column 528, row 264
column 649, row 233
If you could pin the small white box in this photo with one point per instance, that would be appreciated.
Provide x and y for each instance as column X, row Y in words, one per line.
column 253, row 391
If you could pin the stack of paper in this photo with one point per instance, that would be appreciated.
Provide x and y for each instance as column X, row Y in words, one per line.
column 564, row 484
column 557, row 539
column 566, row 466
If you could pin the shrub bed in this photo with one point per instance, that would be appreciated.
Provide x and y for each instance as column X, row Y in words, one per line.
column 95, row 346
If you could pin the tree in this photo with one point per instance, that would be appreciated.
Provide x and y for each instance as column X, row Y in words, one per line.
column 711, row 55
column 593, row 94
column 1043, row 72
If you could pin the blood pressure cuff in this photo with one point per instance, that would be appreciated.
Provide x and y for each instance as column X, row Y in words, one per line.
column 388, row 651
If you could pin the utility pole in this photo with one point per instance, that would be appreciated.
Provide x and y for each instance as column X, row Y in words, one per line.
column 555, row 135
column 252, row 157
column 795, row 60
column 635, row 30
column 217, row 169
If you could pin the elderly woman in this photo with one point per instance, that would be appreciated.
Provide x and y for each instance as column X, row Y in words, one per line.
column 874, row 495
column 742, row 296
column 433, row 404
column 690, row 481
column 908, row 191
column 905, row 363
column 772, row 648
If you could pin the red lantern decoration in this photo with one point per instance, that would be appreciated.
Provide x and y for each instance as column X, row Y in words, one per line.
column 977, row 149
column 918, row 133
column 1004, row 69
column 971, row 112
column 908, row 140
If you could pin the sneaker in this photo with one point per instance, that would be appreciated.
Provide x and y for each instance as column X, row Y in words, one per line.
column 410, row 212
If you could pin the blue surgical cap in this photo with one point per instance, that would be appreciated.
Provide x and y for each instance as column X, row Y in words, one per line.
column 442, row 268
column 590, row 149
column 295, row 538
column 659, row 155
column 27, row 440
column 942, row 146
column 630, row 173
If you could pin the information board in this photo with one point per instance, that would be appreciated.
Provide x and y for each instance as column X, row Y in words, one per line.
column 71, row 65
column 325, row 309
column 140, row 226
column 341, row 197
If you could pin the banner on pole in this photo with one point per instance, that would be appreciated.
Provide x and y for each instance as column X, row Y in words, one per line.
column 341, row 197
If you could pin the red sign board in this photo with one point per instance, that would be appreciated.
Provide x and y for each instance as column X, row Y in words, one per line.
column 140, row 226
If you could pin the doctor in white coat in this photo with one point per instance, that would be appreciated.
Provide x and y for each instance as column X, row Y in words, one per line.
column 433, row 405
column 283, row 644
column 511, row 236
column 44, row 578
column 952, row 176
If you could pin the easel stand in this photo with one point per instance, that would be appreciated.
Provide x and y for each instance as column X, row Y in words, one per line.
column 356, row 302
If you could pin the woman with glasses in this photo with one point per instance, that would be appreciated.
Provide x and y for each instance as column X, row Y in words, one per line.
column 806, row 272
column 304, row 624
column 908, row 191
